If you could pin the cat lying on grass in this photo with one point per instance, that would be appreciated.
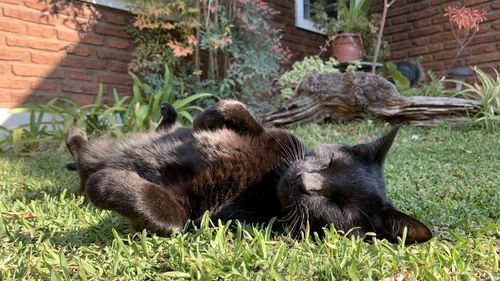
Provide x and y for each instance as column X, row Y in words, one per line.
column 228, row 164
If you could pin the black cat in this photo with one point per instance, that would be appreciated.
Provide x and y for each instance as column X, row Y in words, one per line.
column 230, row 165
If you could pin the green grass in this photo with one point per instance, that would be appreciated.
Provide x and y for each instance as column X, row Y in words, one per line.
column 447, row 178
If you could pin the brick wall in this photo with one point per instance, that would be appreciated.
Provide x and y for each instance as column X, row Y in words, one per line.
column 52, row 48
column 49, row 50
column 418, row 28
column 301, row 42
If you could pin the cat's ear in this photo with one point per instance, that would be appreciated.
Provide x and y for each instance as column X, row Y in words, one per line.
column 394, row 223
column 376, row 150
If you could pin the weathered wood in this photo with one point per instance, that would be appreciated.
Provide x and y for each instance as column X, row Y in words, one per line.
column 346, row 96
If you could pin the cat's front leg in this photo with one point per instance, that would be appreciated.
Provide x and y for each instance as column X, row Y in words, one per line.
column 228, row 114
column 145, row 204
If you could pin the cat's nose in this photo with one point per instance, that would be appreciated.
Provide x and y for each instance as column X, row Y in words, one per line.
column 299, row 181
column 310, row 183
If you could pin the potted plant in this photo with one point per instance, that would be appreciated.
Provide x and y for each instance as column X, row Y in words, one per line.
column 464, row 26
column 347, row 31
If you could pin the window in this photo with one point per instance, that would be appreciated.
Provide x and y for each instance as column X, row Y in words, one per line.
column 303, row 12
column 117, row 4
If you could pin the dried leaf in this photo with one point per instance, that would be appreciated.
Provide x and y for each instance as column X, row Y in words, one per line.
column 14, row 215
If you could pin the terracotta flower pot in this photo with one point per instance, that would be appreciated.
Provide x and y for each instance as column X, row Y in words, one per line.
column 347, row 47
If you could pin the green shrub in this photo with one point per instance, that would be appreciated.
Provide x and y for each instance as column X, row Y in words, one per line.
column 300, row 69
column 487, row 90
column 434, row 88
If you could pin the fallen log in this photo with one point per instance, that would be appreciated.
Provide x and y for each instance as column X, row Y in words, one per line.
column 346, row 96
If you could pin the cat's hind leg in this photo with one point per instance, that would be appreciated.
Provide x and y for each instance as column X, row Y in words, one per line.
column 228, row 114
column 145, row 204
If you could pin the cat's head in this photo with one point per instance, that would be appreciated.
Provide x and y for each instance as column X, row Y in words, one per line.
column 344, row 185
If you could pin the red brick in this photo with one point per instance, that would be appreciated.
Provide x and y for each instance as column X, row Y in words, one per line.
column 71, row 23
column 491, row 57
column 420, row 5
column 79, row 9
column 445, row 55
column 425, row 31
column 118, row 43
column 484, row 49
column 405, row 9
column 36, row 17
column 37, row 4
column 420, row 41
column 34, row 44
column 84, row 63
column 12, row 55
column 495, row 5
column 114, row 31
column 79, row 75
column 399, row 55
column 47, row 46
column 45, row 59
column 11, row 1
column 17, row 41
column 5, row 96
column 12, row 27
column 37, row 71
column 80, row 87
column 406, row 27
column 496, row 26
column 449, row 45
column 93, row 39
column 116, row 79
column 442, row 37
column 72, row 36
column 397, row 20
column 424, row 50
column 422, row 22
column 474, row 2
column 433, row 66
column 78, row 50
column 485, row 38
column 401, row 45
column 118, row 66
column 5, row 68
column 44, row 85
column 9, row 83
column 32, row 96
column 498, row 46
column 115, row 18
column 119, row 89
column 40, row 31
column 115, row 55
column 399, row 37
column 440, row 19
column 423, row 14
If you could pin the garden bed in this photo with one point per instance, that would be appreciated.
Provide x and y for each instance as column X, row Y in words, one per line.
column 446, row 178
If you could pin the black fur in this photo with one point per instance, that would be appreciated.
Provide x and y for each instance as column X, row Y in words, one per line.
column 231, row 166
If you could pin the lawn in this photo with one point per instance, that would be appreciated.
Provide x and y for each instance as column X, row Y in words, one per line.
column 448, row 178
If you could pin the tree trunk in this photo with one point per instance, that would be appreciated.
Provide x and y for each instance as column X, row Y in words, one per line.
column 346, row 96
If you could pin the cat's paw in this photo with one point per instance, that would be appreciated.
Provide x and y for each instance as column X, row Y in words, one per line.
column 228, row 114
column 76, row 138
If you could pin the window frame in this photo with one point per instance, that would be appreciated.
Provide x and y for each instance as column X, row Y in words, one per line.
column 303, row 23
column 115, row 4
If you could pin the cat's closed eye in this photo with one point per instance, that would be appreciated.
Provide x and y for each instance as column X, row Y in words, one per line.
column 331, row 163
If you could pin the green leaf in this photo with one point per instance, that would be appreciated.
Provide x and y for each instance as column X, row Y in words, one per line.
column 179, row 104
column 17, row 135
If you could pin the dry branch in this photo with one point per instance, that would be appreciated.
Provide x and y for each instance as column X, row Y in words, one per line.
column 345, row 96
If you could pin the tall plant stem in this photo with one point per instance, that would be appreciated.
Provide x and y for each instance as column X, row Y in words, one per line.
column 381, row 33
